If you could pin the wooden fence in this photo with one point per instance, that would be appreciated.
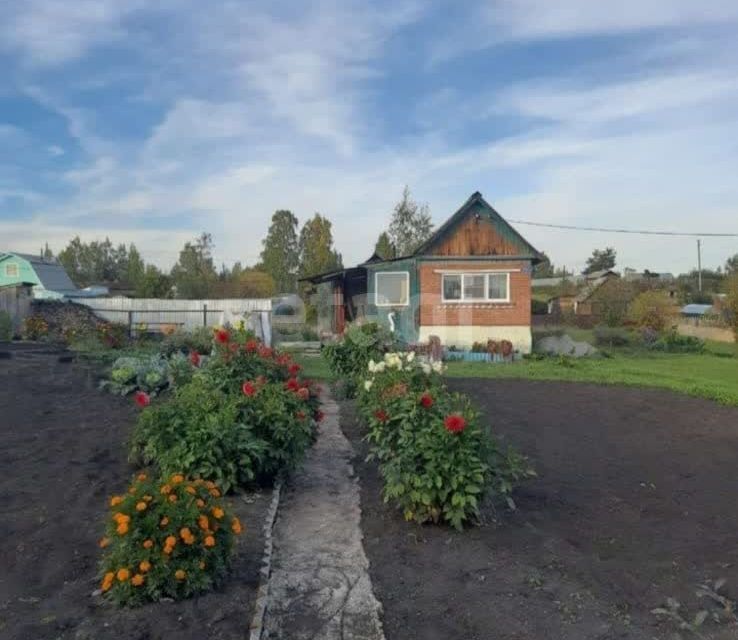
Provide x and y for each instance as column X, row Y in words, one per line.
column 153, row 313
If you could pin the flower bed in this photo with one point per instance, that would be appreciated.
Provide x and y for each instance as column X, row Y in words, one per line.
column 241, row 416
column 436, row 459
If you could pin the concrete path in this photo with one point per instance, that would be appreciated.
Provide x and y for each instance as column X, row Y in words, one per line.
column 320, row 587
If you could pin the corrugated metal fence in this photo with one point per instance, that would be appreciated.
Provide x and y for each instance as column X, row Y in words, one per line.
column 155, row 313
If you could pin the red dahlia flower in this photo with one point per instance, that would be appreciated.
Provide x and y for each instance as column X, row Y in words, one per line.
column 195, row 359
column 294, row 369
column 426, row 401
column 142, row 399
column 292, row 384
column 251, row 346
column 249, row 389
column 300, row 415
column 265, row 352
column 222, row 336
column 303, row 393
column 454, row 423
column 381, row 415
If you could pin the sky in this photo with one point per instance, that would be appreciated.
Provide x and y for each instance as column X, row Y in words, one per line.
column 149, row 122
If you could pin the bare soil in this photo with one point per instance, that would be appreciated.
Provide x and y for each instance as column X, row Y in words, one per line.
column 63, row 448
column 635, row 502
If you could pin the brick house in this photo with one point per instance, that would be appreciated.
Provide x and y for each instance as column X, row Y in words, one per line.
column 469, row 282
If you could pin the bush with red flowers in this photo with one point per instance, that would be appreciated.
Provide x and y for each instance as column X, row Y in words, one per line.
column 435, row 458
column 170, row 538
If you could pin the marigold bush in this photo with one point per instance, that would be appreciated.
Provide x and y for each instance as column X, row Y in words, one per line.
column 170, row 538
column 436, row 459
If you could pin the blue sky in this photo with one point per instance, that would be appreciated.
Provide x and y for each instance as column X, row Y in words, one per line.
column 151, row 121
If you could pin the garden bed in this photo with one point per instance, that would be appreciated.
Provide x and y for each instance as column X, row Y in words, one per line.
column 634, row 504
column 63, row 453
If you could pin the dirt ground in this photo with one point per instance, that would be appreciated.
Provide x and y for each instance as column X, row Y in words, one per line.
column 62, row 453
column 635, row 502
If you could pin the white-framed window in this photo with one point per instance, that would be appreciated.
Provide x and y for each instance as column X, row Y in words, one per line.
column 11, row 270
column 476, row 287
column 392, row 288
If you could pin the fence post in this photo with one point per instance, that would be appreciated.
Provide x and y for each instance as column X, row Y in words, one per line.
column 130, row 324
column 204, row 314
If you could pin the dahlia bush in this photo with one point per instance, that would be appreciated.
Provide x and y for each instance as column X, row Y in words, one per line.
column 169, row 538
column 436, row 459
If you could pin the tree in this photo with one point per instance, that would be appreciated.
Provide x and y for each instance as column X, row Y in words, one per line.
column 410, row 225
column 94, row 262
column 600, row 260
column 383, row 248
column 544, row 269
column 135, row 269
column 731, row 303
column 194, row 273
column 153, row 284
column 280, row 256
column 245, row 283
column 317, row 254
column 731, row 264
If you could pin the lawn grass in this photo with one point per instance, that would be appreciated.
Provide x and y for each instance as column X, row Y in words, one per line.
column 704, row 375
column 313, row 366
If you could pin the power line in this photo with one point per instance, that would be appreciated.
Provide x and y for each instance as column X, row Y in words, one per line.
column 631, row 231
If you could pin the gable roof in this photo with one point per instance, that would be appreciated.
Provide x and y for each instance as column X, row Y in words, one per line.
column 477, row 204
column 49, row 271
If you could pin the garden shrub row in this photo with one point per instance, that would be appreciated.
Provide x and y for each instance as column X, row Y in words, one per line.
column 245, row 416
column 436, row 458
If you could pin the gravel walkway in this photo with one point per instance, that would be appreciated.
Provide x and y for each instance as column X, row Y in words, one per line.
column 320, row 586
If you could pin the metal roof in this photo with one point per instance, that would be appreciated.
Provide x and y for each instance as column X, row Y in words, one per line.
column 695, row 309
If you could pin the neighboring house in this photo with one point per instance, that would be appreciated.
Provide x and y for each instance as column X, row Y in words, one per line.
column 47, row 275
column 695, row 313
column 588, row 300
column 469, row 282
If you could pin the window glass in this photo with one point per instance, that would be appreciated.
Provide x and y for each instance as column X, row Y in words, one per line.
column 497, row 286
column 11, row 270
column 474, row 287
column 392, row 288
column 452, row 287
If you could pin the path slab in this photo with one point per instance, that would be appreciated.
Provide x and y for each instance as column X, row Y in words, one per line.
column 320, row 586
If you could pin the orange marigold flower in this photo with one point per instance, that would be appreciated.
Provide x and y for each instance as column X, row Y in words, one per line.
column 121, row 517
column 200, row 502
column 177, row 478
column 236, row 526
column 201, row 564
column 210, row 484
column 172, row 498
column 132, row 490
column 147, row 544
column 191, row 490
column 165, row 489
column 180, row 574
column 141, row 506
column 170, row 541
column 209, row 541
column 122, row 528
column 167, row 549
column 203, row 522
column 164, row 522
column 107, row 581
column 148, row 498
column 141, row 476
column 116, row 500
column 104, row 542
column 123, row 575
column 218, row 512
column 137, row 580
column 215, row 493
column 144, row 566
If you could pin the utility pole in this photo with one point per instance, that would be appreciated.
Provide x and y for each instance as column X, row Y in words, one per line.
column 699, row 265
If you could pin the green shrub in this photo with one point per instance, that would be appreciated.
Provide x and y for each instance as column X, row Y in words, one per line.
column 673, row 342
column 732, row 303
column 201, row 432
column 128, row 374
column 349, row 357
column 611, row 337
column 651, row 310
column 168, row 538
column 6, row 326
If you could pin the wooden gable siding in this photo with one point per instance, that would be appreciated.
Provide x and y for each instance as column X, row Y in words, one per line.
column 475, row 237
